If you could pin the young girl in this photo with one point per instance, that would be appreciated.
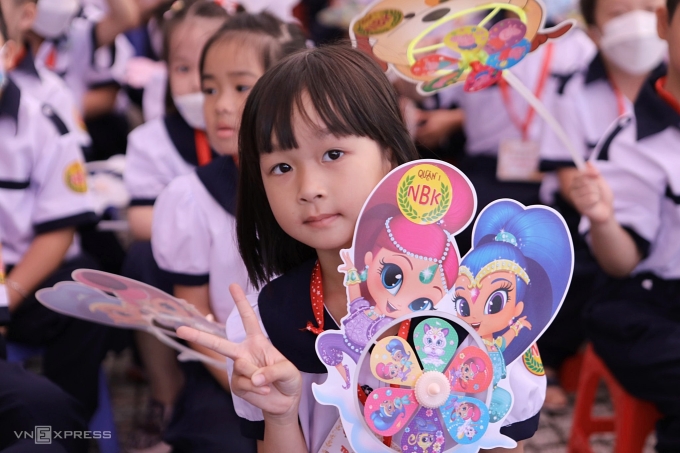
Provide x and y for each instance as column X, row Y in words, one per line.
column 194, row 225
column 319, row 131
column 158, row 152
column 587, row 103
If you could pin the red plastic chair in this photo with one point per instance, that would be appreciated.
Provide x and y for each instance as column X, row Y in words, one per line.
column 633, row 419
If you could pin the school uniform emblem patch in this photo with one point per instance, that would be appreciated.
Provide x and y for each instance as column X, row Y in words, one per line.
column 75, row 177
column 533, row 362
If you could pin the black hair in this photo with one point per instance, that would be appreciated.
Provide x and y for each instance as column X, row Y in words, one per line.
column 3, row 26
column 277, row 38
column 170, row 15
column 588, row 11
column 351, row 95
column 672, row 6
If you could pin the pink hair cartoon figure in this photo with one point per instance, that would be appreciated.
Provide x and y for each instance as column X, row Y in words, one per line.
column 400, row 273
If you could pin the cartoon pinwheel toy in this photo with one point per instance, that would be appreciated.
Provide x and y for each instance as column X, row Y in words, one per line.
column 438, row 394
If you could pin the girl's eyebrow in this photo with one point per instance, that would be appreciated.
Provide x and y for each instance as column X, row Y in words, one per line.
column 240, row 73
column 406, row 258
column 501, row 280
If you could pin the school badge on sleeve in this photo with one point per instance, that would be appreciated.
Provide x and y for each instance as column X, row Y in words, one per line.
column 75, row 177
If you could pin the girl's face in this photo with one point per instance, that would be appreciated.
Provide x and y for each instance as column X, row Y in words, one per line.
column 317, row 190
column 230, row 70
column 466, row 372
column 606, row 10
column 395, row 282
column 490, row 308
column 186, row 40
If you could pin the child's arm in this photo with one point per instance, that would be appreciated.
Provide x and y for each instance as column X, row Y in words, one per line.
column 123, row 15
column 613, row 247
column 141, row 220
column 262, row 376
column 199, row 297
column 43, row 257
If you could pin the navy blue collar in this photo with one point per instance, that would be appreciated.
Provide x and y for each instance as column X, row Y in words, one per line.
column 183, row 137
column 285, row 308
column 596, row 70
column 220, row 178
column 652, row 113
column 10, row 99
column 27, row 64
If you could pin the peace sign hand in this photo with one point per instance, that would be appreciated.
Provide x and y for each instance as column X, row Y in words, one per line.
column 262, row 375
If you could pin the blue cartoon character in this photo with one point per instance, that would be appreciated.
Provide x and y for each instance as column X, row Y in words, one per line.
column 425, row 435
column 511, row 284
column 389, row 412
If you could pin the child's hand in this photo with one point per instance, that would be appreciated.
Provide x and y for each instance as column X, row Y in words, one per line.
column 262, row 375
column 592, row 196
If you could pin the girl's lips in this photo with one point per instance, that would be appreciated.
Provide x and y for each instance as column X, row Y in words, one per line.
column 476, row 325
column 321, row 220
column 390, row 308
column 225, row 132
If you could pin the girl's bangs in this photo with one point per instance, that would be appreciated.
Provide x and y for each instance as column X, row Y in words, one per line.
column 341, row 96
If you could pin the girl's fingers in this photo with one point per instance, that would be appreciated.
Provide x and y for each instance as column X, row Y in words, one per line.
column 245, row 367
column 283, row 372
column 210, row 341
column 241, row 385
column 248, row 316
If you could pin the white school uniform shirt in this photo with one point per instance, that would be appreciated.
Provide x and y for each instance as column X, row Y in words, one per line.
column 194, row 233
column 284, row 308
column 50, row 90
column 639, row 159
column 42, row 176
column 586, row 106
column 80, row 63
column 487, row 119
column 158, row 152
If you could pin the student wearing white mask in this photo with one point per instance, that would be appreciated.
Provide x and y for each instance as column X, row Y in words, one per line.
column 588, row 102
column 68, row 45
column 158, row 152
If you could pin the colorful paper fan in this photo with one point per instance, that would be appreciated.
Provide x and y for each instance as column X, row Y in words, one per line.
column 438, row 387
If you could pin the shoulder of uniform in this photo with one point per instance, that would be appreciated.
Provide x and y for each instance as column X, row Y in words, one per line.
column 49, row 113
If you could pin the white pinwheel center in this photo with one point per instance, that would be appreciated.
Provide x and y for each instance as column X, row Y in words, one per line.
column 432, row 389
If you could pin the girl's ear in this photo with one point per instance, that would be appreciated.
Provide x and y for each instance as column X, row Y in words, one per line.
column 518, row 309
column 10, row 54
column 368, row 259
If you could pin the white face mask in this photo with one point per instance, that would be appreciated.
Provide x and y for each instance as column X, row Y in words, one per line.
column 631, row 42
column 54, row 17
column 190, row 106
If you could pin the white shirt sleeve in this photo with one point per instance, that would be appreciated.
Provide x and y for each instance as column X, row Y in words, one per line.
column 60, row 184
column 637, row 182
column 180, row 236
column 147, row 172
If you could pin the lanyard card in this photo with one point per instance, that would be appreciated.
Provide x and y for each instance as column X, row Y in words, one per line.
column 518, row 161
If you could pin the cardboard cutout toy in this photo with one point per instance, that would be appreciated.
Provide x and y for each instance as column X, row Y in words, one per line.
column 428, row 373
column 125, row 303
column 474, row 42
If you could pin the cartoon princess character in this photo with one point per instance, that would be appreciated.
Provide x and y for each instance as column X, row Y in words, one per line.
column 408, row 266
column 390, row 370
column 399, row 354
column 512, row 281
column 402, row 274
column 424, row 437
column 464, row 410
column 390, row 411
column 467, row 372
